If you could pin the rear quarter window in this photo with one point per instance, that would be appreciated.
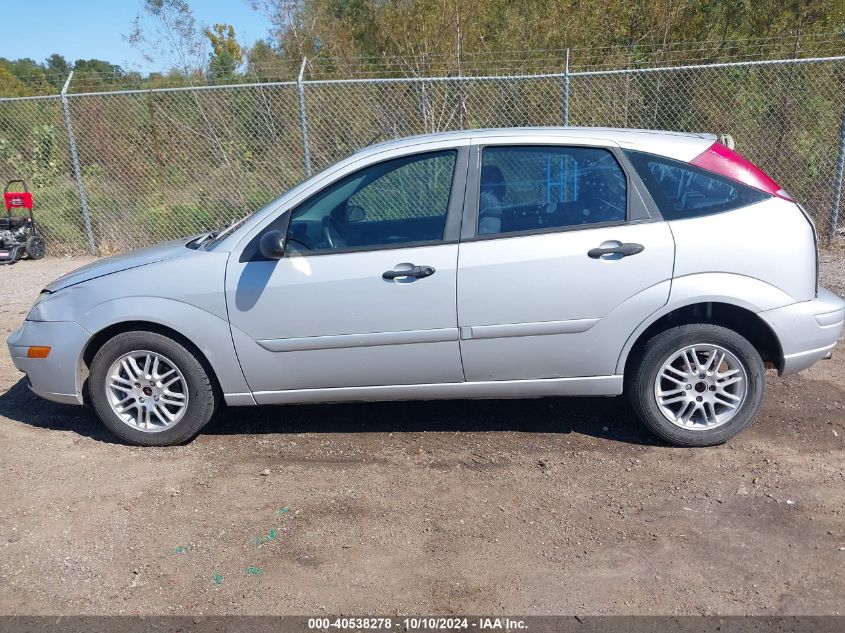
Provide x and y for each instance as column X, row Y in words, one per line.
column 681, row 190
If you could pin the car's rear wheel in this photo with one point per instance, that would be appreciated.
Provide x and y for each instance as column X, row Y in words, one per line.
column 150, row 390
column 697, row 384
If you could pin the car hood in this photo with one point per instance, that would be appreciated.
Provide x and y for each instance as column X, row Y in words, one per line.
column 117, row 263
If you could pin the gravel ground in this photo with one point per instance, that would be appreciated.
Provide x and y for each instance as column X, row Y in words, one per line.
column 524, row 506
column 832, row 269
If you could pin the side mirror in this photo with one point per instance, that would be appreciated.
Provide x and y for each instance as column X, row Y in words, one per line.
column 355, row 214
column 272, row 245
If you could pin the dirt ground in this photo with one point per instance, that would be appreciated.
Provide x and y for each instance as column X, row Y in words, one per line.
column 549, row 506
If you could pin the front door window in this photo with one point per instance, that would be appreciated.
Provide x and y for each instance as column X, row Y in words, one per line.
column 400, row 202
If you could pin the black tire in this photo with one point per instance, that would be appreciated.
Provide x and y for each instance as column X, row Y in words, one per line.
column 36, row 248
column 202, row 395
column 640, row 382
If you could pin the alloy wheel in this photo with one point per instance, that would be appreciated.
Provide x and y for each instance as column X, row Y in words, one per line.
column 147, row 391
column 701, row 387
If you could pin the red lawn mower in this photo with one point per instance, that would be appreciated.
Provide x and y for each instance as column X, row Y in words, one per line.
column 18, row 232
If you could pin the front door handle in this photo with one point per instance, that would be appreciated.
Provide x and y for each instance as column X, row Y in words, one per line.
column 409, row 272
column 623, row 250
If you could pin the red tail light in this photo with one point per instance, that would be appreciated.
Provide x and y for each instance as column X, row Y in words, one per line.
column 726, row 162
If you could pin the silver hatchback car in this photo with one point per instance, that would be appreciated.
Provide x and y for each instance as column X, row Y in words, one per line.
column 504, row 263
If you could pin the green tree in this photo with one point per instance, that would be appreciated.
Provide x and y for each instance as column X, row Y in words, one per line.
column 454, row 36
column 90, row 75
column 226, row 54
column 11, row 85
column 57, row 70
column 265, row 63
column 167, row 32
column 29, row 74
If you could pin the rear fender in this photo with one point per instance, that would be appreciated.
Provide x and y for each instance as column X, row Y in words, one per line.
column 738, row 290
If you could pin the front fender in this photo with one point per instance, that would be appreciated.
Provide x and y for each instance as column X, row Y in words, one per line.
column 209, row 332
column 741, row 291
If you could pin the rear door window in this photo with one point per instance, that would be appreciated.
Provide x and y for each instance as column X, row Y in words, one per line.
column 681, row 190
column 531, row 188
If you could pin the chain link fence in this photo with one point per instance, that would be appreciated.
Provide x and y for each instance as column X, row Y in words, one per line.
column 159, row 164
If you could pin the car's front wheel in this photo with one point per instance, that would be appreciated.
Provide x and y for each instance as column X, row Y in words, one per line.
column 150, row 390
column 697, row 384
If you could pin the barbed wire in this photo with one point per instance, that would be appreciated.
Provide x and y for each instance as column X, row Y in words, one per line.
column 475, row 63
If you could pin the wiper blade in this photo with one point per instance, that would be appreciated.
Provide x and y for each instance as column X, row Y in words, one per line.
column 202, row 239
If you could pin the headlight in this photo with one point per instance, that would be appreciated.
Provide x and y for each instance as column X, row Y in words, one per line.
column 36, row 312
column 59, row 305
column 41, row 296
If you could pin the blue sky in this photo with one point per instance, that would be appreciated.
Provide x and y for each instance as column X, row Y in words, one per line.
column 82, row 29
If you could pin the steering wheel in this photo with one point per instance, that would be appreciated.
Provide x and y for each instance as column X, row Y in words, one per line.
column 333, row 232
column 307, row 246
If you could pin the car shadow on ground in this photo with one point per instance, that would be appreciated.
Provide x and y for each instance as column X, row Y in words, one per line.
column 21, row 405
column 605, row 418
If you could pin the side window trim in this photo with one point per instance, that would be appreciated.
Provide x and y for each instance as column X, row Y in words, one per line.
column 641, row 204
column 457, row 196
column 640, row 207
column 469, row 225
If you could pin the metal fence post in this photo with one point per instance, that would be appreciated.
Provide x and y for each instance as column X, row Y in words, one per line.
column 566, row 91
column 77, row 170
column 303, row 118
column 837, row 178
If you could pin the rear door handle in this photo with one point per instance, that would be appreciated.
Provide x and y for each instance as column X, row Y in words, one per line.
column 623, row 250
column 411, row 272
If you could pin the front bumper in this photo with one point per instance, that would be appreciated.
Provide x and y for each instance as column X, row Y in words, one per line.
column 807, row 331
column 57, row 377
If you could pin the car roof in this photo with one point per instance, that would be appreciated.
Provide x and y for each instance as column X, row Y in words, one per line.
column 678, row 145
